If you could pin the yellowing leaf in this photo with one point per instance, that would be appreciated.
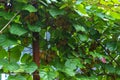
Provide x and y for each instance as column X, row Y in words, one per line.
column 115, row 15
column 80, row 10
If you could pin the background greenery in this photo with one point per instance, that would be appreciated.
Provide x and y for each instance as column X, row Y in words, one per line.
column 79, row 39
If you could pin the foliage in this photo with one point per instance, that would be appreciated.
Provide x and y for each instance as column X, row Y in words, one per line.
column 79, row 39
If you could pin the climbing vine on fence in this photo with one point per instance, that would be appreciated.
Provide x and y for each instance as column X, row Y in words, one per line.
column 60, row 39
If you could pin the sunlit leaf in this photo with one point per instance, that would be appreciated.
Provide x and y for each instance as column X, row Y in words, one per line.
column 115, row 15
column 80, row 9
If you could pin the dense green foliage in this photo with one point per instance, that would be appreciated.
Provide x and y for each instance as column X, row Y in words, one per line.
column 84, row 39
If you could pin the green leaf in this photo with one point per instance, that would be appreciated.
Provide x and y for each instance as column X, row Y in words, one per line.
column 71, row 46
column 12, row 66
column 95, row 54
column 7, row 41
column 23, row 1
column 63, row 6
column 115, row 15
column 117, row 71
column 15, row 53
column 3, row 62
column 80, row 9
column 34, row 28
column 70, row 43
column 79, row 28
column 112, row 46
column 30, row 8
column 2, row 22
column 83, row 37
column 48, row 73
column 69, row 72
column 30, row 67
column 79, row 1
column 71, row 64
column 101, row 15
column 3, row 53
column 19, row 5
column 87, row 78
column 6, row 15
column 94, row 34
column 55, row 12
column 19, row 77
column 110, row 68
column 26, row 58
column 17, row 29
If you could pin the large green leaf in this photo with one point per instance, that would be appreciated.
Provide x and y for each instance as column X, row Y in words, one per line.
column 7, row 41
column 110, row 68
column 79, row 1
column 88, row 78
column 18, row 77
column 17, row 29
column 95, row 54
column 23, row 1
column 30, row 67
column 82, row 37
column 15, row 53
column 34, row 28
column 3, row 62
column 12, row 66
column 30, row 8
column 3, row 53
column 69, row 72
column 94, row 34
column 26, row 58
column 115, row 15
column 112, row 45
column 117, row 70
column 48, row 73
column 80, row 9
column 7, row 16
column 19, row 4
column 88, row 21
column 55, row 12
column 71, row 65
column 79, row 28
